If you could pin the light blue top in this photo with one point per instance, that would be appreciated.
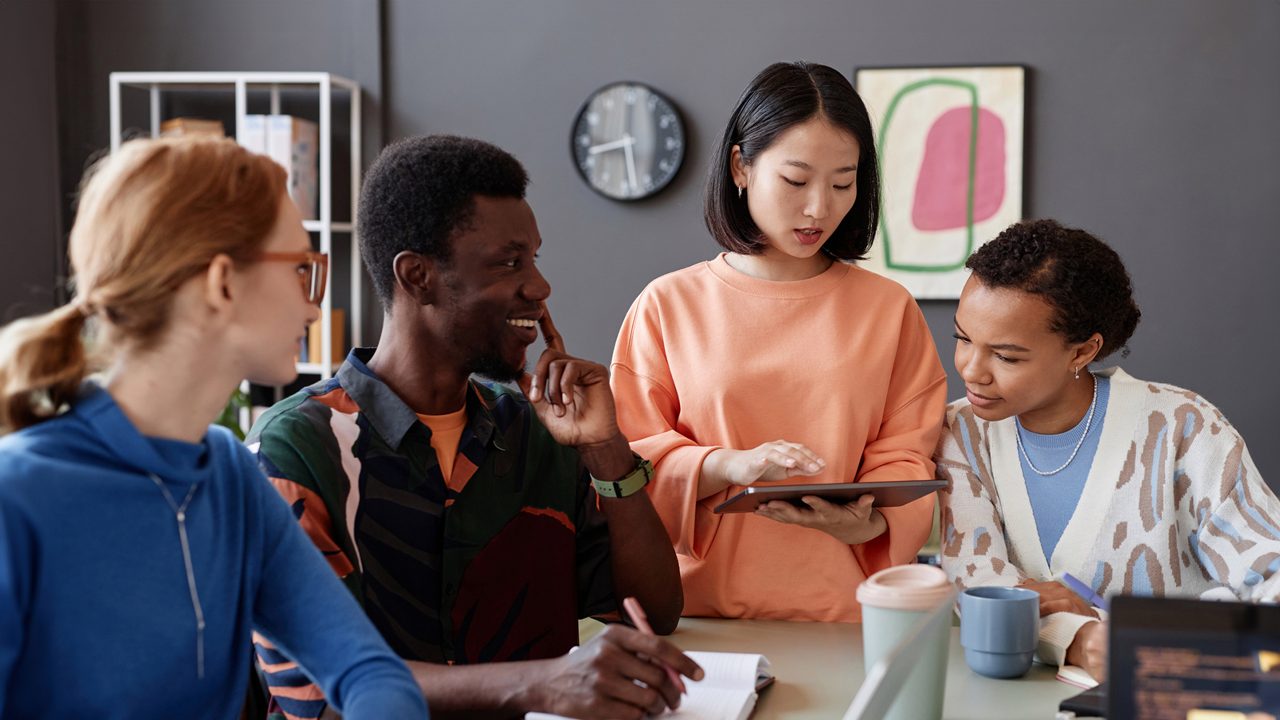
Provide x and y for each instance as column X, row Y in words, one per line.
column 1054, row 497
column 96, row 614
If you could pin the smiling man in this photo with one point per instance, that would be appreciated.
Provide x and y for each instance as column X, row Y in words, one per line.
column 475, row 525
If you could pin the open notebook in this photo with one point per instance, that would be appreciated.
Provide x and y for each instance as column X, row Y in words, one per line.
column 728, row 692
column 1078, row 676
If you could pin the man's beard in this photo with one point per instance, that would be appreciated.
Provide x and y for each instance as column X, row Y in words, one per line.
column 494, row 367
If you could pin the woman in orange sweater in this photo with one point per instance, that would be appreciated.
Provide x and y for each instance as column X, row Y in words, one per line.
column 780, row 359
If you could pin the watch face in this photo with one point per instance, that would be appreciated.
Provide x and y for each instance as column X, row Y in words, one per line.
column 628, row 141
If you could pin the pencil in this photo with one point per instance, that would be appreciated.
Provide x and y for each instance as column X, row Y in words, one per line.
column 1084, row 591
column 641, row 621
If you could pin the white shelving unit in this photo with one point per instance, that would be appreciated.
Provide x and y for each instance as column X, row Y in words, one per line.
column 325, row 85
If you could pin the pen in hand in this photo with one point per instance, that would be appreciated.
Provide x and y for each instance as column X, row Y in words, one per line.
column 1084, row 591
column 641, row 621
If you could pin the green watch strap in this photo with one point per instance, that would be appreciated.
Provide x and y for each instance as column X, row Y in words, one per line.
column 629, row 484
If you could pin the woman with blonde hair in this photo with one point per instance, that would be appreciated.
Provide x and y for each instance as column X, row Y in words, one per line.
column 139, row 546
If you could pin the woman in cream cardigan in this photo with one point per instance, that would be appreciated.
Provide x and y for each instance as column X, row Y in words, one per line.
column 1133, row 487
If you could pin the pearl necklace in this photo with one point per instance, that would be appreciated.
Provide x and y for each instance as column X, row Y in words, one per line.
column 1088, row 421
column 180, row 513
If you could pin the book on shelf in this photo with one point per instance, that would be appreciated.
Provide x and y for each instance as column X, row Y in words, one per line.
column 253, row 134
column 294, row 143
column 728, row 692
column 186, row 127
column 337, row 339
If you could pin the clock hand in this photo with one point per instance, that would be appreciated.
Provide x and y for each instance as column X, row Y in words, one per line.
column 631, row 164
column 627, row 141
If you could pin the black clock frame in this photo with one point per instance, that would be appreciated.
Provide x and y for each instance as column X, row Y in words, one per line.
column 684, row 146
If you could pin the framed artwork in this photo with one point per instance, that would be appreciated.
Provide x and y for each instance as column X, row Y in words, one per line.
column 949, row 141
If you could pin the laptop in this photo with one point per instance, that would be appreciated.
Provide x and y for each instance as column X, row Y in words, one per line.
column 1193, row 659
column 885, row 679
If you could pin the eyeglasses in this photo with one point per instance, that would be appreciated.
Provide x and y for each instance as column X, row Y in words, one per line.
column 313, row 271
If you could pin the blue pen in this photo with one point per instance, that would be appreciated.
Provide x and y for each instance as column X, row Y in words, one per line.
column 1085, row 592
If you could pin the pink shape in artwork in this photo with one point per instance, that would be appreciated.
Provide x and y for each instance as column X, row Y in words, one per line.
column 943, row 182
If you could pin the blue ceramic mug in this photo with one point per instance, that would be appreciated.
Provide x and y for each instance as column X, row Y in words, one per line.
column 999, row 629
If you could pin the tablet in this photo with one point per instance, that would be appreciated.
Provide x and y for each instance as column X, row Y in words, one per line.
column 887, row 494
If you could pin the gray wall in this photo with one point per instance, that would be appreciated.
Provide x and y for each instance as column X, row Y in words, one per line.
column 28, row 146
column 1151, row 124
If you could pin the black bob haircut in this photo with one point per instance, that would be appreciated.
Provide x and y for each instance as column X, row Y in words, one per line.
column 1078, row 275
column 420, row 192
column 781, row 96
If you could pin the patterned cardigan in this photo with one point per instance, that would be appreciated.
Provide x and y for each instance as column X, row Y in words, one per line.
column 1173, row 505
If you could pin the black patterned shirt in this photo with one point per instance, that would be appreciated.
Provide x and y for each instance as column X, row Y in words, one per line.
column 496, row 564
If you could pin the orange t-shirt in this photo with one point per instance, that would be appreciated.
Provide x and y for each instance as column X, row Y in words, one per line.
column 843, row 362
column 446, row 433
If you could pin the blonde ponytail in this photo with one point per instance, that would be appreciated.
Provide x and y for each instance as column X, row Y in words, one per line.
column 152, row 215
column 43, row 360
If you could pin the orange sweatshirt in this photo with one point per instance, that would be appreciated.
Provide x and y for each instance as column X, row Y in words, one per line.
column 842, row 362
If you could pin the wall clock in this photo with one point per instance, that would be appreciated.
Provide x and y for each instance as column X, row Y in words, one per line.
column 628, row 141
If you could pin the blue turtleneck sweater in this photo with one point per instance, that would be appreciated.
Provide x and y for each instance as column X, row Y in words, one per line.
column 97, row 617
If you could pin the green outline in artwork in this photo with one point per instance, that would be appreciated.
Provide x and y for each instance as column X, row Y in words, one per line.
column 973, row 152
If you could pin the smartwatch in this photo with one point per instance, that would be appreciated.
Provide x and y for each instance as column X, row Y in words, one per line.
column 629, row 484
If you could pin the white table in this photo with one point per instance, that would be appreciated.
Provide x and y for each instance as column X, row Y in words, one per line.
column 819, row 669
